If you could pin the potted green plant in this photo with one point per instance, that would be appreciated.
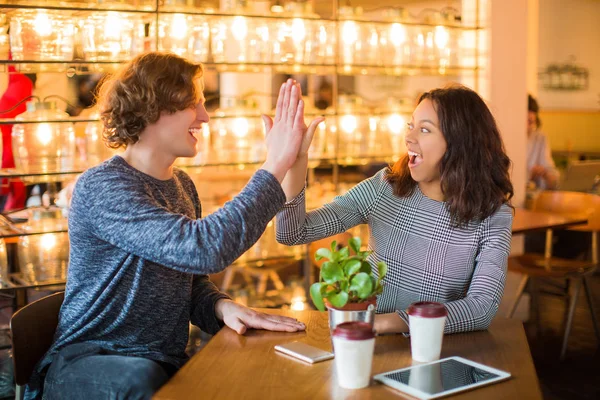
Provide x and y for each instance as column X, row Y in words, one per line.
column 347, row 285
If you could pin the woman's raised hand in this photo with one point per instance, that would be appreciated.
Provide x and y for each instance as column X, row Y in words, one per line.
column 287, row 136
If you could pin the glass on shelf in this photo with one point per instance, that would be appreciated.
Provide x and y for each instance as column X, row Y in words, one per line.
column 96, row 150
column 355, row 132
column 391, row 127
column 396, row 44
column 44, row 147
column 185, row 35
column 359, row 42
column 324, row 43
column 44, row 257
column 323, row 143
column 4, row 278
column 238, row 135
column 240, row 40
column 437, row 45
column 41, row 35
column 293, row 41
column 114, row 36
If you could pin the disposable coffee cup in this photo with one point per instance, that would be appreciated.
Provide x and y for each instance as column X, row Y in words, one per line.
column 353, row 345
column 426, row 320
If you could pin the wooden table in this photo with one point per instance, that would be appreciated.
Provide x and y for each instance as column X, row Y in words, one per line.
column 247, row 367
column 526, row 221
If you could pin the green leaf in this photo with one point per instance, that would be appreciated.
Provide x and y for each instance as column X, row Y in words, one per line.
column 331, row 272
column 355, row 244
column 351, row 267
column 344, row 253
column 344, row 285
column 316, row 295
column 338, row 300
column 365, row 254
column 365, row 267
column 362, row 285
column 382, row 267
column 333, row 246
column 323, row 253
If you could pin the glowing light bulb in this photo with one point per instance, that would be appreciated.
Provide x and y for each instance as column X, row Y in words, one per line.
column 396, row 124
column 179, row 27
column 42, row 24
column 374, row 39
column 349, row 32
column 297, row 305
column 348, row 123
column 44, row 134
column 298, row 30
column 240, row 127
column 442, row 37
column 48, row 242
column 322, row 35
column 239, row 28
column 397, row 34
column 372, row 124
column 112, row 26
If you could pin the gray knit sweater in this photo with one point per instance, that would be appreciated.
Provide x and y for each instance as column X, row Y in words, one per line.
column 140, row 254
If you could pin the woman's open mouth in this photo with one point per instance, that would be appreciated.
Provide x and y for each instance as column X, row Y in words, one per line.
column 414, row 159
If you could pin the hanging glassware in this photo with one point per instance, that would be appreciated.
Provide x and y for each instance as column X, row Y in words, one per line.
column 397, row 45
column 44, row 147
column 353, row 130
column 41, row 35
column 324, row 43
column 238, row 133
column 240, row 40
column 393, row 119
column 96, row 150
column 294, row 43
column 113, row 36
column 44, row 257
column 359, row 42
column 184, row 35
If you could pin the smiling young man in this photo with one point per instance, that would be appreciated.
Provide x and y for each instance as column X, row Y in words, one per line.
column 140, row 251
column 440, row 218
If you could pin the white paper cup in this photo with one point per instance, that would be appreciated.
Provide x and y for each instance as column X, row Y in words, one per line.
column 426, row 320
column 353, row 345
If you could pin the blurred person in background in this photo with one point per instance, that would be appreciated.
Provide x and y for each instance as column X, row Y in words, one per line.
column 540, row 165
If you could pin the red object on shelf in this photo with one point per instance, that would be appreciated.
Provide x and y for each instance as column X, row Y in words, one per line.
column 19, row 87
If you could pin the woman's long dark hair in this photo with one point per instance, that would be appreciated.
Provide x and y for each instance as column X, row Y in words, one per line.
column 474, row 170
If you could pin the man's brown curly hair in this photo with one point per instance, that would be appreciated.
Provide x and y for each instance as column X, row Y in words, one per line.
column 136, row 95
column 475, row 168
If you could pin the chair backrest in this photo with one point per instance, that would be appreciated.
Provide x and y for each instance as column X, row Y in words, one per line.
column 571, row 203
column 342, row 240
column 32, row 330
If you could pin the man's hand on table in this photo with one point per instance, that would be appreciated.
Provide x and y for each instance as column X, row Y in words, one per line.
column 240, row 318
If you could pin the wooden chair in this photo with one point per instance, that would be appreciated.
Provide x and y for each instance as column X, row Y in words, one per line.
column 32, row 332
column 533, row 266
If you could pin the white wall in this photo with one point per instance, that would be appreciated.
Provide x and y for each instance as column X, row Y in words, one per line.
column 570, row 28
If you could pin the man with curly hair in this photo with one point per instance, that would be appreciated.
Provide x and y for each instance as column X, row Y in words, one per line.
column 140, row 251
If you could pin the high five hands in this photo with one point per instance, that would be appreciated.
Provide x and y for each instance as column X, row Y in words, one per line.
column 288, row 138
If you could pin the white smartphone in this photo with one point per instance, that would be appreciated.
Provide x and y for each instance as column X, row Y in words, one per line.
column 304, row 352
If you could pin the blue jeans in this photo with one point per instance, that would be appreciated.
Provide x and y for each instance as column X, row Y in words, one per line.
column 85, row 371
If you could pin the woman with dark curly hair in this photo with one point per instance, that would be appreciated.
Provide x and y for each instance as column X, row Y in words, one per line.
column 440, row 218
column 140, row 250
